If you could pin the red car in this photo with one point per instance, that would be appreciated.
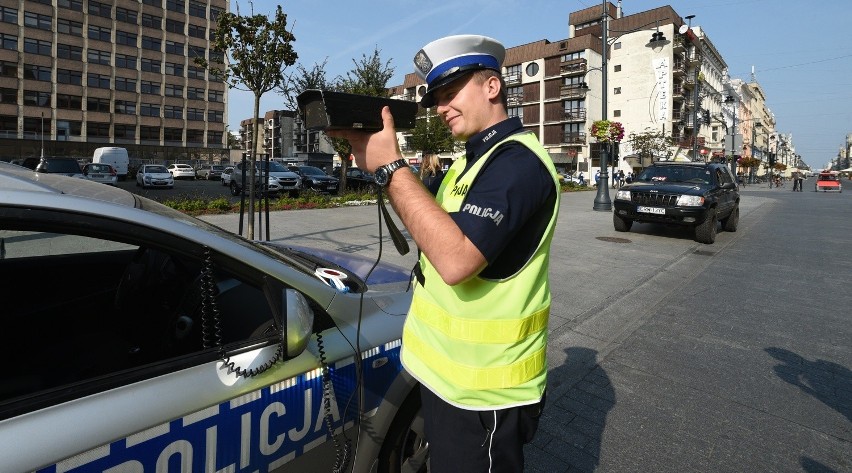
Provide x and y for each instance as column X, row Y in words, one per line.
column 828, row 181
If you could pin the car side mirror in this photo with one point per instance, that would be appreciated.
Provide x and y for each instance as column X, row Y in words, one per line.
column 299, row 322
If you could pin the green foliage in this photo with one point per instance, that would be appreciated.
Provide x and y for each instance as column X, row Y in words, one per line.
column 220, row 204
column 432, row 136
column 650, row 143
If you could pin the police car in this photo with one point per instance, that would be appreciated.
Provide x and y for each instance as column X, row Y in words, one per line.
column 138, row 339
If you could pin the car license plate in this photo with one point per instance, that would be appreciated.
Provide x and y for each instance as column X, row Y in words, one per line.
column 651, row 210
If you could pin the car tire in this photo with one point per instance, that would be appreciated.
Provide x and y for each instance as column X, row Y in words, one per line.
column 405, row 447
column 730, row 223
column 621, row 224
column 706, row 231
column 235, row 190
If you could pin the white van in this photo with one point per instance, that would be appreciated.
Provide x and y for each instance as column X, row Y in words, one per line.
column 115, row 157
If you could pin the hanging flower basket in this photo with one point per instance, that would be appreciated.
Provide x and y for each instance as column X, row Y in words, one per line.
column 606, row 131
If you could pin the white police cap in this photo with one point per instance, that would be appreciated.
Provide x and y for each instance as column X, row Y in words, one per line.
column 445, row 60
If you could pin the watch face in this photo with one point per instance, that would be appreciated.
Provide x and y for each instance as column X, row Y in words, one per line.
column 382, row 176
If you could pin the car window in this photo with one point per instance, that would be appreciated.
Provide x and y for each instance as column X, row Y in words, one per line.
column 155, row 169
column 139, row 306
column 60, row 165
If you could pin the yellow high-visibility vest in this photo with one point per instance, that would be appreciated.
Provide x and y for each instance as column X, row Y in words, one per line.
column 481, row 344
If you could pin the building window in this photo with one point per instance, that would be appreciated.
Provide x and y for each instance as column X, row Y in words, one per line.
column 217, row 56
column 126, row 61
column 126, row 84
column 176, row 5
column 149, row 110
column 174, row 69
column 94, row 104
column 153, row 3
column 173, row 134
column 174, row 90
column 195, row 136
column 532, row 69
column 9, row 15
column 100, row 33
column 216, row 116
column 172, row 111
column 127, row 132
column 151, row 65
column 69, row 27
column 97, row 129
column 100, row 9
column 67, row 76
column 99, row 81
column 198, row 9
column 9, row 96
column 174, row 26
column 196, row 51
column 34, row 20
column 9, row 124
column 617, row 68
column 215, row 12
column 617, row 45
column 36, row 99
column 195, row 72
column 174, row 47
column 216, row 96
column 152, row 21
column 573, row 56
column 125, row 107
column 69, row 102
column 149, row 133
column 195, row 93
column 125, row 38
column 197, row 31
column 148, row 87
column 513, row 73
column 37, row 46
column 153, row 44
column 616, row 113
column 96, row 56
column 75, row 5
column 8, row 69
column 126, row 16
column 37, row 72
column 8, row 41
column 214, row 138
column 616, row 90
column 516, row 112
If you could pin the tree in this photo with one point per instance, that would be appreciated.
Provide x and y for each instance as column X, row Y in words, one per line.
column 304, row 79
column 370, row 77
column 649, row 143
column 258, row 51
column 431, row 136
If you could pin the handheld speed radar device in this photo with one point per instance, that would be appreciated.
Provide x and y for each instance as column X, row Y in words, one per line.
column 326, row 110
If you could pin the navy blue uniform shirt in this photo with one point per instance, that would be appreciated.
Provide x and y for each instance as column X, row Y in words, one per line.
column 519, row 191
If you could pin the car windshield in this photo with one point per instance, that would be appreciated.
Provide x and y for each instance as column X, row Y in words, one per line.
column 155, row 169
column 61, row 165
column 311, row 171
column 827, row 177
column 688, row 174
column 273, row 166
column 217, row 167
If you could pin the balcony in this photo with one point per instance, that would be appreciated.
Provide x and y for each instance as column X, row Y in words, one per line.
column 578, row 66
column 574, row 115
column 574, row 138
column 693, row 57
column 572, row 90
column 515, row 99
column 678, row 44
column 512, row 78
column 679, row 67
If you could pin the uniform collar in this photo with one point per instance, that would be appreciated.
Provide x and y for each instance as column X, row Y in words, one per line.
column 478, row 144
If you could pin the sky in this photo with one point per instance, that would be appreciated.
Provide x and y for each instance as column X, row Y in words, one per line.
column 800, row 52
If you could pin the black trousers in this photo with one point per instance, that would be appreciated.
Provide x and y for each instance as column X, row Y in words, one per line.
column 462, row 440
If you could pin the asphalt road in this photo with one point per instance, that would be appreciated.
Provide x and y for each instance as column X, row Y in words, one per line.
column 666, row 355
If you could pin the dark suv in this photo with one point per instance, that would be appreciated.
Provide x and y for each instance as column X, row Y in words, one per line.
column 60, row 165
column 680, row 193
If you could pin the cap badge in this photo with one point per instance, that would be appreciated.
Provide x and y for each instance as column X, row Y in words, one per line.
column 422, row 62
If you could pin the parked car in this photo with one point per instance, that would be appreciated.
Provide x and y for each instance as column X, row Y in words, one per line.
column 100, row 172
column 209, row 171
column 226, row 175
column 60, row 165
column 29, row 163
column 188, row 346
column 828, row 181
column 565, row 178
column 280, row 179
column 116, row 157
column 154, row 175
column 697, row 195
column 357, row 178
column 316, row 179
column 181, row 171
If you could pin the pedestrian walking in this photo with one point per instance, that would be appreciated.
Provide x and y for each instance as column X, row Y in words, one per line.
column 597, row 178
column 582, row 179
column 475, row 335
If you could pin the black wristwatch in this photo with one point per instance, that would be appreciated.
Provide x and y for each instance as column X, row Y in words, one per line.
column 383, row 173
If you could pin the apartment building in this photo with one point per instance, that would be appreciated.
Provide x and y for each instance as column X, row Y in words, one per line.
column 79, row 74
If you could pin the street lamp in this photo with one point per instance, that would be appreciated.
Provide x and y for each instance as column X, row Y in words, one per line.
column 732, row 100
column 602, row 200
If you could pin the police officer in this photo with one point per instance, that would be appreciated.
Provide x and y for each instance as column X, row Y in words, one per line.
column 476, row 333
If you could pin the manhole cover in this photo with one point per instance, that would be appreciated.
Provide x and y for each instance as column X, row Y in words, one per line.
column 614, row 239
